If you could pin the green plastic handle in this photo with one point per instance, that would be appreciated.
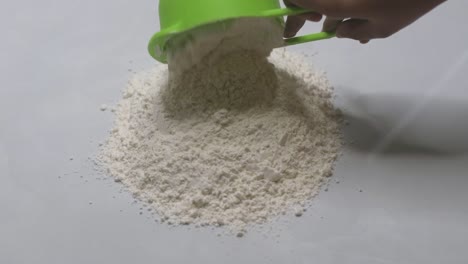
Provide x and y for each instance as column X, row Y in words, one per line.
column 292, row 11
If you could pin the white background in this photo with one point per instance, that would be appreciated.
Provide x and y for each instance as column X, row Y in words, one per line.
column 60, row 60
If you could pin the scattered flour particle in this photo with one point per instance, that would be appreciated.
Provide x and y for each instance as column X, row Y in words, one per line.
column 103, row 107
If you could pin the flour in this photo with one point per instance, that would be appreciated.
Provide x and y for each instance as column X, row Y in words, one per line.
column 231, row 142
column 259, row 35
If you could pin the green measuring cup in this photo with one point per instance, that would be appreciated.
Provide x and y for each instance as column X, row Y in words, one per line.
column 178, row 16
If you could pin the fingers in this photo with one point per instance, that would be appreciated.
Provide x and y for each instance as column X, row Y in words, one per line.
column 332, row 8
column 330, row 24
column 357, row 29
column 312, row 16
column 295, row 23
column 316, row 5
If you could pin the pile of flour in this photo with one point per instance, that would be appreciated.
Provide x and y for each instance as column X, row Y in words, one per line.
column 231, row 142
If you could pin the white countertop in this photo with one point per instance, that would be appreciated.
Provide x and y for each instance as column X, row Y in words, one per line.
column 62, row 59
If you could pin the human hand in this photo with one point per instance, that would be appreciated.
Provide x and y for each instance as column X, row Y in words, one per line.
column 361, row 20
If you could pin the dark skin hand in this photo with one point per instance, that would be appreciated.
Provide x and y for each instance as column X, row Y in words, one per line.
column 361, row 20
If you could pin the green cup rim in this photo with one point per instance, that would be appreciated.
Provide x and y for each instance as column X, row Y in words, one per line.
column 159, row 40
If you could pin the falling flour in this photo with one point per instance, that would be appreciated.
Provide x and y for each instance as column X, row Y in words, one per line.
column 231, row 142
column 258, row 35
